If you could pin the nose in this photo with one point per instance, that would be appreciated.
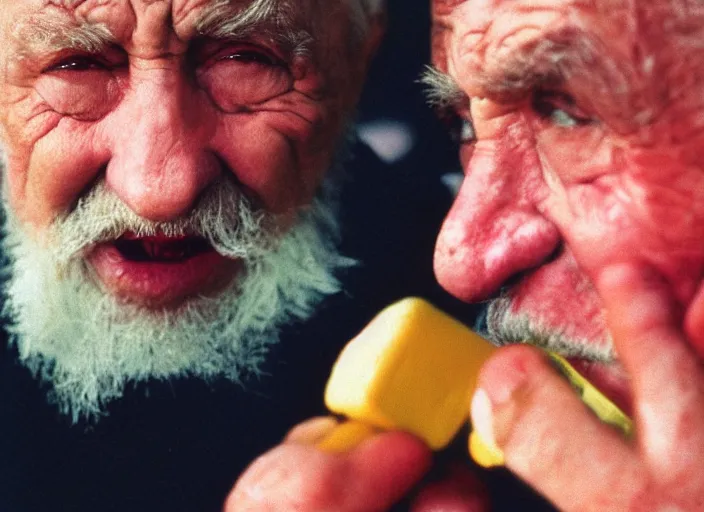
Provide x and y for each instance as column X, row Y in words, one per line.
column 493, row 230
column 160, row 160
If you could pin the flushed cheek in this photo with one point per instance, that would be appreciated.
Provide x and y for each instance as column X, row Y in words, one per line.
column 282, row 152
column 263, row 160
column 669, row 210
column 50, row 156
column 47, row 177
column 576, row 155
column 615, row 202
column 621, row 219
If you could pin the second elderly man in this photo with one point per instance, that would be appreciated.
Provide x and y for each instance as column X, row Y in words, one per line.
column 582, row 216
column 191, row 234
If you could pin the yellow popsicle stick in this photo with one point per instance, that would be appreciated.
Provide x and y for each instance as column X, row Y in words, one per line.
column 346, row 436
column 604, row 408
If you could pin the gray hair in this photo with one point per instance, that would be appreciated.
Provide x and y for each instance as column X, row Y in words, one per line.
column 373, row 6
column 361, row 12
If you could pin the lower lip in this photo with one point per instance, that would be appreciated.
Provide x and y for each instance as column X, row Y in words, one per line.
column 157, row 284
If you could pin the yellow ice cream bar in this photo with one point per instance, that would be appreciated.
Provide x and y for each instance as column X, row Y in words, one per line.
column 414, row 368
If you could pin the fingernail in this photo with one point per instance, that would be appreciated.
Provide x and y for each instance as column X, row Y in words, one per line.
column 482, row 419
column 482, row 444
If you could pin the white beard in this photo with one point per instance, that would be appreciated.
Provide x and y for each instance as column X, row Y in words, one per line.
column 87, row 346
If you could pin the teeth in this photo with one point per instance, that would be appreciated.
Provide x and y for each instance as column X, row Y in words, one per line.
column 166, row 251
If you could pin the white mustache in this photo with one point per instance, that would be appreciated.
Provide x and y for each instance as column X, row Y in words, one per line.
column 223, row 216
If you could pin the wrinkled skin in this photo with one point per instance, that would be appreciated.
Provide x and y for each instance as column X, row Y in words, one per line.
column 586, row 183
column 584, row 200
column 162, row 111
column 623, row 185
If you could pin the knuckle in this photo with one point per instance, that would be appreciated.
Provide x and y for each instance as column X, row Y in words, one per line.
column 290, row 478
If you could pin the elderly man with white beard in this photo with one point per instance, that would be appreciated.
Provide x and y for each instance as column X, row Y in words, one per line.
column 191, row 234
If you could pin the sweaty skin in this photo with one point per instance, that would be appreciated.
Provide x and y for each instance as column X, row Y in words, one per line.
column 150, row 96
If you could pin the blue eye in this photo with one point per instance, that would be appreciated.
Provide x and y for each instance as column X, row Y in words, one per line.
column 559, row 117
column 559, row 109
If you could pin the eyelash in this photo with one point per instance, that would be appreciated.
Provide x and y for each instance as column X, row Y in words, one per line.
column 78, row 63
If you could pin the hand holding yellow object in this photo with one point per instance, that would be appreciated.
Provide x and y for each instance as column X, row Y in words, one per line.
column 414, row 368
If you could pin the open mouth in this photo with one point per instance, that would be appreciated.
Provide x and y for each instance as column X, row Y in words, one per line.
column 161, row 271
column 160, row 248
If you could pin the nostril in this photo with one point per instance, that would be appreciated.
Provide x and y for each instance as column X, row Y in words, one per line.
column 514, row 279
column 556, row 253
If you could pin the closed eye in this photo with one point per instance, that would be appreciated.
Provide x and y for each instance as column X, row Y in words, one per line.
column 250, row 57
column 77, row 63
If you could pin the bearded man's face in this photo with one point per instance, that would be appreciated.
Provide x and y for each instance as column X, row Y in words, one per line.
column 163, row 162
column 585, row 151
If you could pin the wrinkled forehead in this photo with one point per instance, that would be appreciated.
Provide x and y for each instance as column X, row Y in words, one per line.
column 653, row 26
column 160, row 20
column 647, row 55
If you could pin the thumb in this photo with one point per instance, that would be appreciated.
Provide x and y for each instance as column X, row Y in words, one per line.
column 549, row 437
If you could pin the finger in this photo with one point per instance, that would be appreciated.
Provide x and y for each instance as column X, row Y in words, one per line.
column 460, row 491
column 297, row 477
column 549, row 437
column 646, row 325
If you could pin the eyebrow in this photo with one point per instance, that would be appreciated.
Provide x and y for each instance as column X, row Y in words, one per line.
column 559, row 57
column 268, row 18
column 50, row 35
column 440, row 89
column 41, row 35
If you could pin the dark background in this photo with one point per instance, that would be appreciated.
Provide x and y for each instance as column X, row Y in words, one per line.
column 394, row 94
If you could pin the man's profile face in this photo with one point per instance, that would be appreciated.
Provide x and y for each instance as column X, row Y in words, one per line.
column 588, row 151
column 161, row 159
